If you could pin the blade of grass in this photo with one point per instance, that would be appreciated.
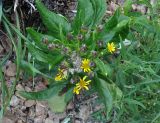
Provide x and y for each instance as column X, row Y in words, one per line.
column 0, row 10
column 18, row 50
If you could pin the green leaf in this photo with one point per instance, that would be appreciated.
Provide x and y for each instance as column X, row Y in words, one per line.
column 69, row 95
column 58, row 103
column 135, row 102
column 115, row 92
column 104, row 68
column 54, row 22
column 44, row 94
column 121, row 30
column 127, row 6
column 112, row 22
column 44, row 57
column 110, row 93
column 38, row 38
column 84, row 15
column 31, row 69
column 99, row 7
column 102, row 89
column 109, row 27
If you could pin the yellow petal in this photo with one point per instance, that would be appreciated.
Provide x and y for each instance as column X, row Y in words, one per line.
column 86, row 87
column 88, row 81
column 84, row 78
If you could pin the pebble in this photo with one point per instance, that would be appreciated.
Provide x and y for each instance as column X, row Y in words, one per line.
column 48, row 120
column 11, row 70
column 40, row 110
column 14, row 101
column 38, row 119
column 7, row 120
column 84, row 112
column 19, row 121
column 28, row 89
column 30, row 103
column 19, row 87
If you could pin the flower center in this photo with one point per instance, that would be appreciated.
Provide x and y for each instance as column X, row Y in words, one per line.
column 82, row 83
column 86, row 65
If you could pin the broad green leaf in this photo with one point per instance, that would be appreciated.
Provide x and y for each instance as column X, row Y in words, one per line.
column 84, row 16
column 104, row 68
column 127, row 6
column 108, row 32
column 69, row 95
column 112, row 22
column 99, row 7
column 38, row 38
column 110, row 93
column 115, row 92
column 58, row 103
column 103, row 90
column 44, row 94
column 31, row 69
column 44, row 57
column 54, row 22
column 121, row 30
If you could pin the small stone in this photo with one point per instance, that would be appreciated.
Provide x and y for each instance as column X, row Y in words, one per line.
column 84, row 112
column 40, row 86
column 51, row 114
column 19, row 87
column 7, row 120
column 31, row 113
column 70, row 106
column 42, row 103
column 19, row 121
column 28, row 89
column 48, row 120
column 11, row 70
column 77, row 121
column 38, row 119
column 40, row 110
column 30, row 103
column 14, row 101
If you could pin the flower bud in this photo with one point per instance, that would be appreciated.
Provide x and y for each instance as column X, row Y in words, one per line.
column 51, row 46
column 100, row 44
column 80, row 37
column 91, row 74
column 94, row 53
column 100, row 28
column 70, row 36
column 93, row 64
column 45, row 40
column 84, row 29
column 83, row 48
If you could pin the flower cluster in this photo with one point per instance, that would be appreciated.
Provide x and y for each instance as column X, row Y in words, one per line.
column 85, row 66
column 60, row 75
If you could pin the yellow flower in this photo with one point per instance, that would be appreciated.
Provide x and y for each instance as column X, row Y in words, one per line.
column 60, row 75
column 111, row 47
column 86, row 65
column 81, row 84
column 75, row 90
